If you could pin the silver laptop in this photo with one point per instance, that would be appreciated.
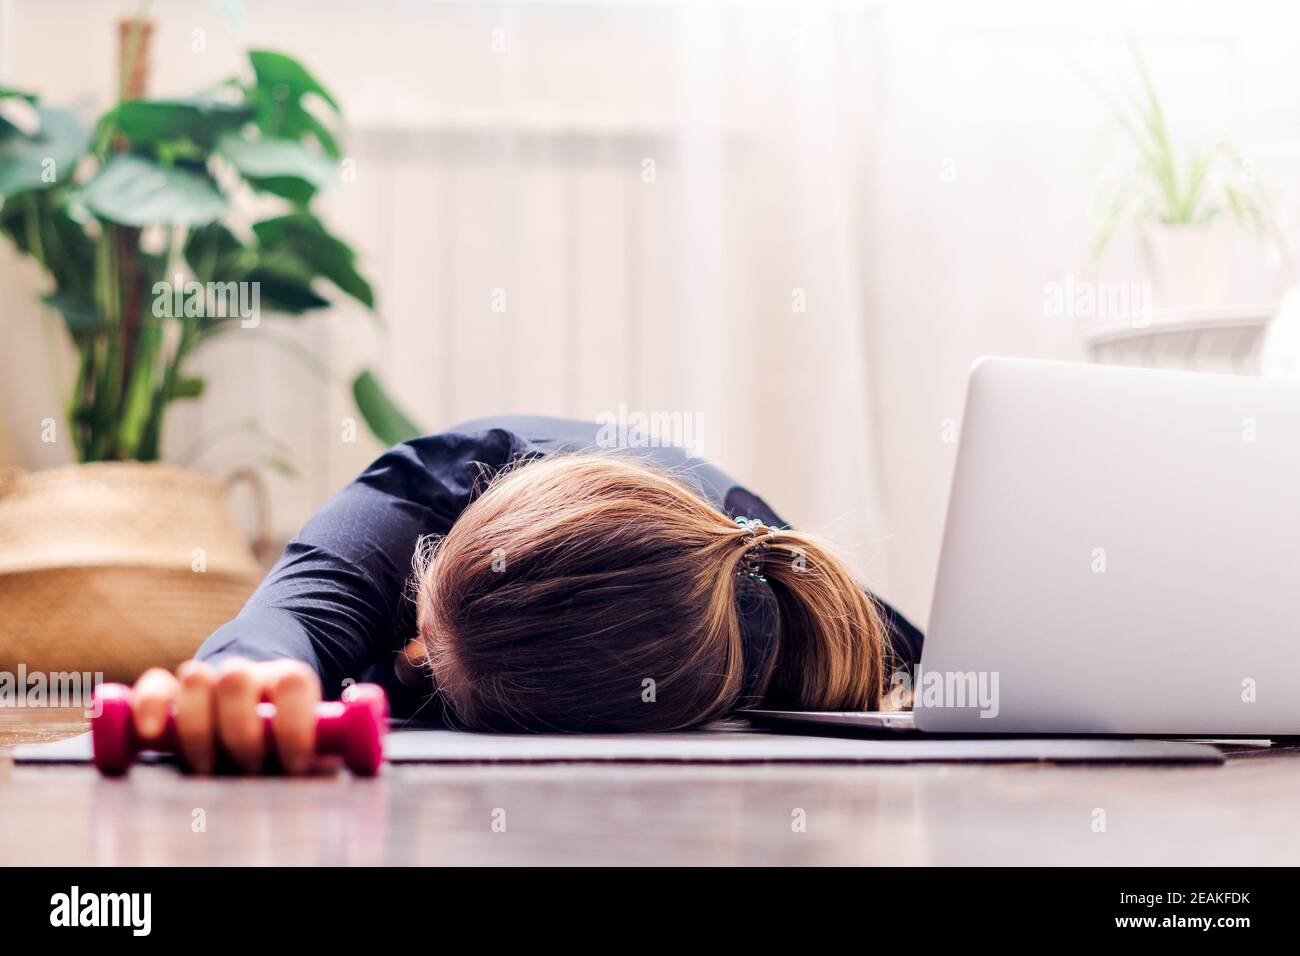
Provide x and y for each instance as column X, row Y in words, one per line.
column 1121, row 556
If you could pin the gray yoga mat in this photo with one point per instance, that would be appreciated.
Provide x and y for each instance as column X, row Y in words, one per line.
column 724, row 745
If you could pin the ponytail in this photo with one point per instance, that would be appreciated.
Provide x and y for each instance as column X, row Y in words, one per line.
column 830, row 648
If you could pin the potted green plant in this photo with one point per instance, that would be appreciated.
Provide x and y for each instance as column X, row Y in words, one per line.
column 131, row 221
column 115, row 214
column 1188, row 204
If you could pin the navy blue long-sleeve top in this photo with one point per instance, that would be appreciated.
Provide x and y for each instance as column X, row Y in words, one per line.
column 337, row 598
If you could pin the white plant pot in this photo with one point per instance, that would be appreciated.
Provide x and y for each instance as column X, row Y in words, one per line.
column 1190, row 266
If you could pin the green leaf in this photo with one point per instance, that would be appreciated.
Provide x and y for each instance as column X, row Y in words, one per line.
column 135, row 191
column 281, row 86
column 55, row 226
column 324, row 253
column 8, row 92
column 78, row 311
column 284, row 167
column 297, row 123
column 284, row 284
column 215, row 254
column 186, row 388
column 39, row 224
column 19, row 113
column 386, row 421
column 285, row 79
column 45, row 159
column 297, row 191
column 151, row 122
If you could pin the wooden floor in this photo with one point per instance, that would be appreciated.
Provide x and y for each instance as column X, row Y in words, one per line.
column 1247, row 812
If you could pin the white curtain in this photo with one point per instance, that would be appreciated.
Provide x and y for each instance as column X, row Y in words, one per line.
column 796, row 223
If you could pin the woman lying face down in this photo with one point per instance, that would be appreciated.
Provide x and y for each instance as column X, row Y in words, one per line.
column 507, row 582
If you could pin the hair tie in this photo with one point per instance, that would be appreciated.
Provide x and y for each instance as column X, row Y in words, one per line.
column 756, row 535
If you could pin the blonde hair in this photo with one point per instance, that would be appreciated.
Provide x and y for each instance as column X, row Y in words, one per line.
column 594, row 592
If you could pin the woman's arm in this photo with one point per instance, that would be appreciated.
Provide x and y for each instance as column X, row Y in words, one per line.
column 336, row 600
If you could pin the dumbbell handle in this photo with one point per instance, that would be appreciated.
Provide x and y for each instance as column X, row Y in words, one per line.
column 351, row 728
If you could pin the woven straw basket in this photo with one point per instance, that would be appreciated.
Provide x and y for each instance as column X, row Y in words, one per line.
column 115, row 567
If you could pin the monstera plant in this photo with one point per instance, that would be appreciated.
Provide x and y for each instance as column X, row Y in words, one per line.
column 143, row 224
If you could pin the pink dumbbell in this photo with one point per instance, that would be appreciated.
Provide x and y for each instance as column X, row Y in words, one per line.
column 352, row 728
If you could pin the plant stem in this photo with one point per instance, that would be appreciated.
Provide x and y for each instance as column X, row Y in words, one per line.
column 48, row 320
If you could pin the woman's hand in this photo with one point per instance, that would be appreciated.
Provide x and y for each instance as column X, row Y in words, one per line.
column 216, row 711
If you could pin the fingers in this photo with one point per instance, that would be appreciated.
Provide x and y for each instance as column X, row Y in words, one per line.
column 195, row 716
column 294, row 689
column 151, row 700
column 239, row 727
column 217, row 710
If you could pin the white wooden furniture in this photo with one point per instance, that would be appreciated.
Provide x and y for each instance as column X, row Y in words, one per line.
column 1221, row 339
